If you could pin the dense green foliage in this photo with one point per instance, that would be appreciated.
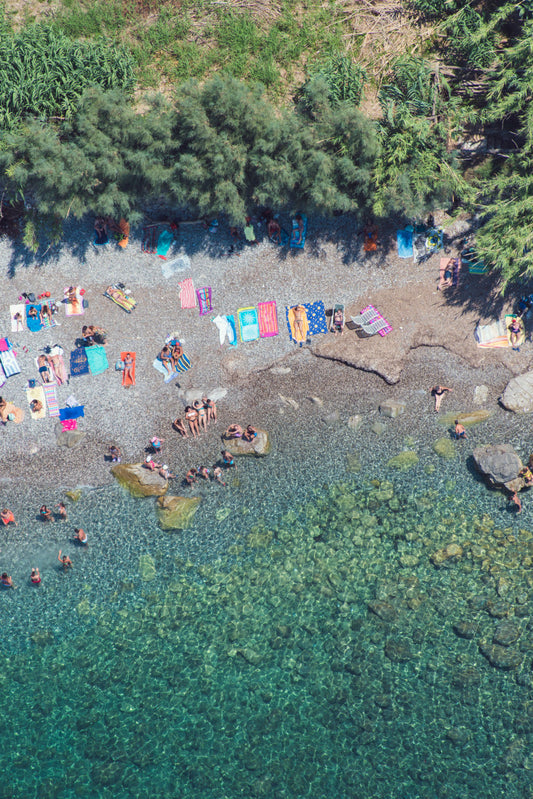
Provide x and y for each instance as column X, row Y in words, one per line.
column 43, row 73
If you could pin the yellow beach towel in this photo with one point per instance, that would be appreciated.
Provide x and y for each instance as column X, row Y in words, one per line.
column 37, row 394
column 298, row 335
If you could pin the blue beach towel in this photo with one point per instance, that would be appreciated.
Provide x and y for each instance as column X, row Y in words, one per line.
column 71, row 413
column 163, row 243
column 404, row 240
column 100, row 238
column 296, row 242
column 97, row 359
column 248, row 324
column 79, row 365
column 34, row 322
column 231, row 321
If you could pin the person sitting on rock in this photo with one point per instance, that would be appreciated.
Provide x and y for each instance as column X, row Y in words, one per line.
column 165, row 472
column 234, row 431
column 150, row 464
column 527, row 476
column 250, row 433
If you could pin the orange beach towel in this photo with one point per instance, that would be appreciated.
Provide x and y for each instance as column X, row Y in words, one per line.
column 128, row 380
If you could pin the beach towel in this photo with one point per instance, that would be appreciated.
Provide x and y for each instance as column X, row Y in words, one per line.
column 268, row 319
column 187, row 293
column 9, row 363
column 204, row 300
column 120, row 298
column 248, row 324
column 404, row 239
column 183, row 364
column 168, row 376
column 522, row 335
column 17, row 326
column 298, row 241
column 226, row 327
column 75, row 307
column 69, row 424
column 48, row 323
column 299, row 335
column 126, row 380
column 71, row 413
column 100, row 237
column 165, row 239
column 179, row 264
column 316, row 317
column 79, row 365
column 97, row 359
column 4, row 344
column 493, row 335
column 124, row 228
column 50, row 394
column 37, row 394
column 34, row 322
column 57, row 364
column 2, row 376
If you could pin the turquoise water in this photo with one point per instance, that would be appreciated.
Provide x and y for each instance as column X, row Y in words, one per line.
column 297, row 641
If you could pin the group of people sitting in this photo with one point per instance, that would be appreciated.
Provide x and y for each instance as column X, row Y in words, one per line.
column 171, row 356
column 44, row 314
column 236, row 431
column 215, row 473
column 198, row 415
column 92, row 334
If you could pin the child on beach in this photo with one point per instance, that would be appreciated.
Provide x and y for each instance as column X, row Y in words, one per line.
column 8, row 517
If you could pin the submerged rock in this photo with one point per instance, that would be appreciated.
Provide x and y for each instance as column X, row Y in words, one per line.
column 506, row 633
column 404, row 460
column 392, row 408
column 466, row 629
column 147, row 568
column 384, row 610
column 139, row 481
column 444, row 448
column 259, row 446
column 500, row 657
column 353, row 462
column 378, row 428
column 398, row 650
column 500, row 464
column 518, row 394
column 448, row 554
column 176, row 513
column 355, row 422
column 481, row 395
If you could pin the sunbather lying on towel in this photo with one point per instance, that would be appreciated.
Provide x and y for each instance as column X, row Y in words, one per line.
column 301, row 325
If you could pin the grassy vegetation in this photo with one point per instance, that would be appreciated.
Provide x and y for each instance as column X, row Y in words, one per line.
column 174, row 41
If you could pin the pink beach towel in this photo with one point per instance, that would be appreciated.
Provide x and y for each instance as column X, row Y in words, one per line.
column 204, row 300
column 69, row 424
column 268, row 319
column 51, row 399
column 187, row 295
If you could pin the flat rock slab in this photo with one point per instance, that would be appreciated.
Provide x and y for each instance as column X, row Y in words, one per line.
column 259, row 446
column 139, row 481
column 466, row 418
column 518, row 394
column 392, row 408
column 404, row 460
column 68, row 438
column 176, row 513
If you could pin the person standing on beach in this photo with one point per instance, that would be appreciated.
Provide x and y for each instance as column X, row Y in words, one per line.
column 438, row 392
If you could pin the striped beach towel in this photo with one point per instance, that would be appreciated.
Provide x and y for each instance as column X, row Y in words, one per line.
column 204, row 300
column 187, row 293
column 268, row 319
column 50, row 396
column 9, row 363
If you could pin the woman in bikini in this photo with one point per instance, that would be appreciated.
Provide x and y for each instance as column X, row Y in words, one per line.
column 439, row 392
column 250, row 433
column 165, row 356
column 192, row 417
column 202, row 413
column 35, row 577
column 177, row 352
column 300, row 316
column 128, row 364
column 211, row 410
column 234, row 431
column 46, row 313
column 191, row 476
column 32, row 313
column 6, row 581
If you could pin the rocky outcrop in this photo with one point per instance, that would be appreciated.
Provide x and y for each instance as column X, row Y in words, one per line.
column 176, row 513
column 68, row 438
column 404, row 460
column 139, row 481
column 500, row 464
column 392, row 408
column 466, row 418
column 259, row 446
column 518, row 394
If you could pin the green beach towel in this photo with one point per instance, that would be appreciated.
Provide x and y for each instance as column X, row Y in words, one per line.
column 97, row 359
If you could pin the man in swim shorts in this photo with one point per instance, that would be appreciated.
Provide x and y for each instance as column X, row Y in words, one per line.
column 460, row 431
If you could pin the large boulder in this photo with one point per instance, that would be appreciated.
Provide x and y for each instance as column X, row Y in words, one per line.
column 139, row 481
column 176, row 513
column 518, row 394
column 500, row 464
column 259, row 446
column 68, row 438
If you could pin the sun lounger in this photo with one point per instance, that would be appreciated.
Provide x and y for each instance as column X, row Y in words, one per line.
column 449, row 270
column 365, row 317
column 470, row 260
column 376, row 322
column 337, row 313
column 248, row 324
column 120, row 298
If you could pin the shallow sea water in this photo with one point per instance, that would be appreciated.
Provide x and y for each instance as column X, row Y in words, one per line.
column 297, row 641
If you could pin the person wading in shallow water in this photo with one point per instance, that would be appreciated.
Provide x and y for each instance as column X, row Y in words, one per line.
column 439, row 393
column 65, row 561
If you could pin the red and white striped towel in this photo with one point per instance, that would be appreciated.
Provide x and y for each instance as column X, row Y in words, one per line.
column 187, row 293
column 51, row 399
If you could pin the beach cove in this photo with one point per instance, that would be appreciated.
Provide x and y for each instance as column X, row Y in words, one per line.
column 299, row 639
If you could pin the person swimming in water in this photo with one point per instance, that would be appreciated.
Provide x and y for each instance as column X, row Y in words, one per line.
column 65, row 561
column 35, row 577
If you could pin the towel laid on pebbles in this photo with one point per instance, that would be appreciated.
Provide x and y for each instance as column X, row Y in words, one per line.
column 9, row 363
column 205, row 300
column 79, row 365
column 169, row 376
column 37, row 393
column 97, row 358
column 226, row 327
column 187, row 293
column 50, row 394
column 17, row 325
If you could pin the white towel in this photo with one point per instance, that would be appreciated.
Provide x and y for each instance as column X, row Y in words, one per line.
column 224, row 328
column 17, row 327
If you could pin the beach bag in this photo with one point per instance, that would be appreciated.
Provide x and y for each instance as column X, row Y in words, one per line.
column 119, row 366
